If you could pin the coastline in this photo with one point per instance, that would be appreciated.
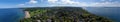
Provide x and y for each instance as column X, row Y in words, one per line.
column 27, row 15
column 62, row 12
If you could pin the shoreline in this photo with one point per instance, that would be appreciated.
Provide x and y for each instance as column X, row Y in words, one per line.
column 27, row 15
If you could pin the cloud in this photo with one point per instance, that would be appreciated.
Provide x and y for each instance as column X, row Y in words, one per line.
column 52, row 1
column 102, row 3
column 21, row 5
column 65, row 3
column 105, row 4
column 106, row 0
column 32, row 2
column 69, row 2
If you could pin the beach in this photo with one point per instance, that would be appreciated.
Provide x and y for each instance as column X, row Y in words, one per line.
column 27, row 15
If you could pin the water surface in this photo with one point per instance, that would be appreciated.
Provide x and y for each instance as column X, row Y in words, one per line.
column 11, row 15
column 109, row 12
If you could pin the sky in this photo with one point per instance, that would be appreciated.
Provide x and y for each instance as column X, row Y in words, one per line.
column 44, row 3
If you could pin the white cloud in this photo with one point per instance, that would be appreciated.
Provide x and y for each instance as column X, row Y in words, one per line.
column 106, row 4
column 69, row 2
column 20, row 5
column 52, row 1
column 65, row 3
column 106, row 0
column 93, row 4
column 32, row 1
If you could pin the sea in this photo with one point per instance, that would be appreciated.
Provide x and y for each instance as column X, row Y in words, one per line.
column 15, row 14
column 112, row 13
column 11, row 14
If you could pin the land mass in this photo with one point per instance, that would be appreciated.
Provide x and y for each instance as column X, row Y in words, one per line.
column 62, row 14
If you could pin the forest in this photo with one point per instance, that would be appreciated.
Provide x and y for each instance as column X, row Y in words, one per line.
column 62, row 14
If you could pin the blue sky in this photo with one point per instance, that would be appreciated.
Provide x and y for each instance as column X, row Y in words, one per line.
column 39, row 3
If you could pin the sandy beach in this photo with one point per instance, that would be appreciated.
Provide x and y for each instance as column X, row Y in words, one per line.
column 27, row 15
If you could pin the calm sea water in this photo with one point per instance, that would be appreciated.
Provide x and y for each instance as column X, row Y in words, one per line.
column 14, row 14
column 11, row 15
column 109, row 12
